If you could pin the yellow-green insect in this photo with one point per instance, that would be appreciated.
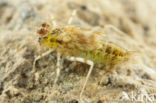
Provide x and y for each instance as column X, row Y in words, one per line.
column 83, row 45
column 79, row 42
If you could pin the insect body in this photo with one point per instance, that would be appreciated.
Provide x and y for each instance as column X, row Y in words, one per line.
column 83, row 45
column 78, row 42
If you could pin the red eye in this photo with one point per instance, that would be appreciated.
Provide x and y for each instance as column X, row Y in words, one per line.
column 44, row 29
column 45, row 25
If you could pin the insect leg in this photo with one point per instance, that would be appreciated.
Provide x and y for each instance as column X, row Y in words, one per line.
column 58, row 67
column 89, row 62
column 39, row 57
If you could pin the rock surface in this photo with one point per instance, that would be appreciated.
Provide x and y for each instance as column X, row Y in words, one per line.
column 133, row 24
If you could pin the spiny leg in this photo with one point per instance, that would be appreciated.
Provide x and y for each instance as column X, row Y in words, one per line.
column 58, row 68
column 39, row 57
column 89, row 62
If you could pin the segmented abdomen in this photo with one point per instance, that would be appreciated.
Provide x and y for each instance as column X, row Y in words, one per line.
column 109, row 55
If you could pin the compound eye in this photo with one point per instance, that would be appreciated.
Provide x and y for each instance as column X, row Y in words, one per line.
column 45, row 25
column 44, row 29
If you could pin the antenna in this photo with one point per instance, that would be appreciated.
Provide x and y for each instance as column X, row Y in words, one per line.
column 52, row 20
column 74, row 12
